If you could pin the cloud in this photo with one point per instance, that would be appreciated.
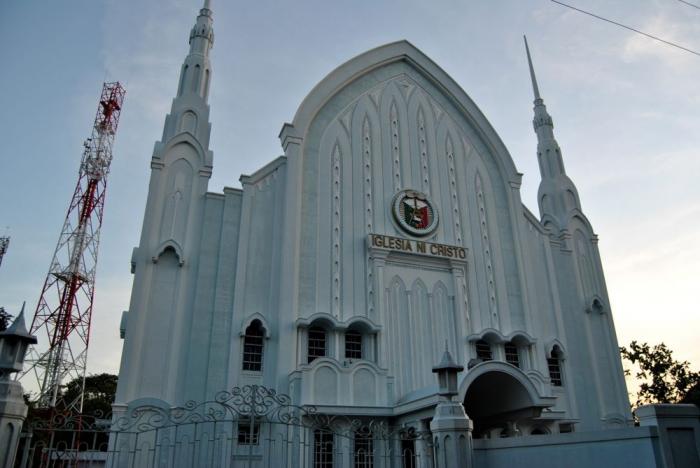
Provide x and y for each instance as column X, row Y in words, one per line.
column 683, row 33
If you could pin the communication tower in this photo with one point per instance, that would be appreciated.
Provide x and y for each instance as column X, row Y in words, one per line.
column 4, row 243
column 63, row 313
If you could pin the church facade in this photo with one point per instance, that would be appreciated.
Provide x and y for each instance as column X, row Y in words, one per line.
column 391, row 229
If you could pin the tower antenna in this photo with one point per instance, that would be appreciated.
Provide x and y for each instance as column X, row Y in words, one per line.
column 4, row 244
column 63, row 313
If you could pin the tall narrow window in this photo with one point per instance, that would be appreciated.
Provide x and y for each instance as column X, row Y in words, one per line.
column 253, row 347
column 317, row 343
column 408, row 453
column 512, row 356
column 183, row 79
column 353, row 345
column 483, row 351
column 323, row 449
column 554, row 365
column 196, row 77
column 363, row 449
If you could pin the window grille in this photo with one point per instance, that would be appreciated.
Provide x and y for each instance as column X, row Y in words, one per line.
column 554, row 371
column 483, row 351
column 408, row 453
column 253, row 347
column 353, row 345
column 317, row 343
column 248, row 432
column 512, row 356
column 364, row 457
column 323, row 449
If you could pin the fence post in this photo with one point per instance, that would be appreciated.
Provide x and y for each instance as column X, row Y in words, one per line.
column 451, row 428
column 13, row 348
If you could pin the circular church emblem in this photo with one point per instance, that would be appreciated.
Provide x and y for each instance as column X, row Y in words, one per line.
column 415, row 213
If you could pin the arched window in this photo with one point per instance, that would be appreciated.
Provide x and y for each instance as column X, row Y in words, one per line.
column 183, row 78
column 353, row 345
column 408, row 453
column 554, row 366
column 538, row 431
column 317, row 343
column 512, row 356
column 483, row 350
column 253, row 347
column 363, row 450
column 195, row 78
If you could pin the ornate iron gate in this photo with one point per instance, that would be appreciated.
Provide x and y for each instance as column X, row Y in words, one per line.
column 250, row 426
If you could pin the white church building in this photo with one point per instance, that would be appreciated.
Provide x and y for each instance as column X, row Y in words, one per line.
column 391, row 228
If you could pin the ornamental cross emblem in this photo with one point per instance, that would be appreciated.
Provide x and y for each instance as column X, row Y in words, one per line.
column 414, row 213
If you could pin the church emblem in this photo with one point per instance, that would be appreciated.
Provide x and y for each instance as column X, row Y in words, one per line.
column 415, row 213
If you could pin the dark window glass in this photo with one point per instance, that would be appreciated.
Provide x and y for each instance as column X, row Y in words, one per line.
column 512, row 354
column 364, row 449
column 323, row 449
column 483, row 351
column 408, row 453
column 253, row 347
column 554, row 371
column 248, row 432
column 353, row 345
column 317, row 343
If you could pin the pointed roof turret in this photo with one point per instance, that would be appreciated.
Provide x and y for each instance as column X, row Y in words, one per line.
column 18, row 328
column 557, row 196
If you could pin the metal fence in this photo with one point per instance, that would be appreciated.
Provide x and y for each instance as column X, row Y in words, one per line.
column 250, row 426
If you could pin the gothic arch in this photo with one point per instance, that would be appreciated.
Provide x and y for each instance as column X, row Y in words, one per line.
column 205, row 157
column 402, row 51
column 169, row 245
column 250, row 319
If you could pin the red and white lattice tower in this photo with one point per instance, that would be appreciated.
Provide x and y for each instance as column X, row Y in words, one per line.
column 62, row 318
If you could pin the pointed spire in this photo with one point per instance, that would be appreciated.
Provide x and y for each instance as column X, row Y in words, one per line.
column 207, row 5
column 535, row 89
column 557, row 196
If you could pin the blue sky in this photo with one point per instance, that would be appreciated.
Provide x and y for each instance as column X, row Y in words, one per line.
column 625, row 110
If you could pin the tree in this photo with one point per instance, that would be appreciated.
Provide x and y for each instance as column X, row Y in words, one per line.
column 5, row 319
column 663, row 379
column 98, row 396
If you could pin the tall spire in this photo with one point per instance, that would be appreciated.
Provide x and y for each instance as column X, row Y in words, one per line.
column 202, row 34
column 557, row 195
column 190, row 110
column 535, row 89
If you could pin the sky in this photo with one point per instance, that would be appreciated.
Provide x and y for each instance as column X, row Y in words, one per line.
column 625, row 109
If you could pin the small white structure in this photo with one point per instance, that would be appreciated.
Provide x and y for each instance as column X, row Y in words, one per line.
column 391, row 225
column 13, row 411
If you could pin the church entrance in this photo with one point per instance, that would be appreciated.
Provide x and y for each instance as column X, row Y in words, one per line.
column 497, row 403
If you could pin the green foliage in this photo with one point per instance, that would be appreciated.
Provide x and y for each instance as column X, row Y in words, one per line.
column 663, row 379
column 5, row 319
column 98, row 396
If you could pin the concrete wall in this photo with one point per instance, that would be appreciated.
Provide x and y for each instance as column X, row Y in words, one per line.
column 637, row 446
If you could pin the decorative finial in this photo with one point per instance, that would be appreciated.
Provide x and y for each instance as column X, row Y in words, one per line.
column 535, row 89
column 207, row 4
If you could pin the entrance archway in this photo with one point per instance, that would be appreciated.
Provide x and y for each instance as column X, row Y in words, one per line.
column 499, row 398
